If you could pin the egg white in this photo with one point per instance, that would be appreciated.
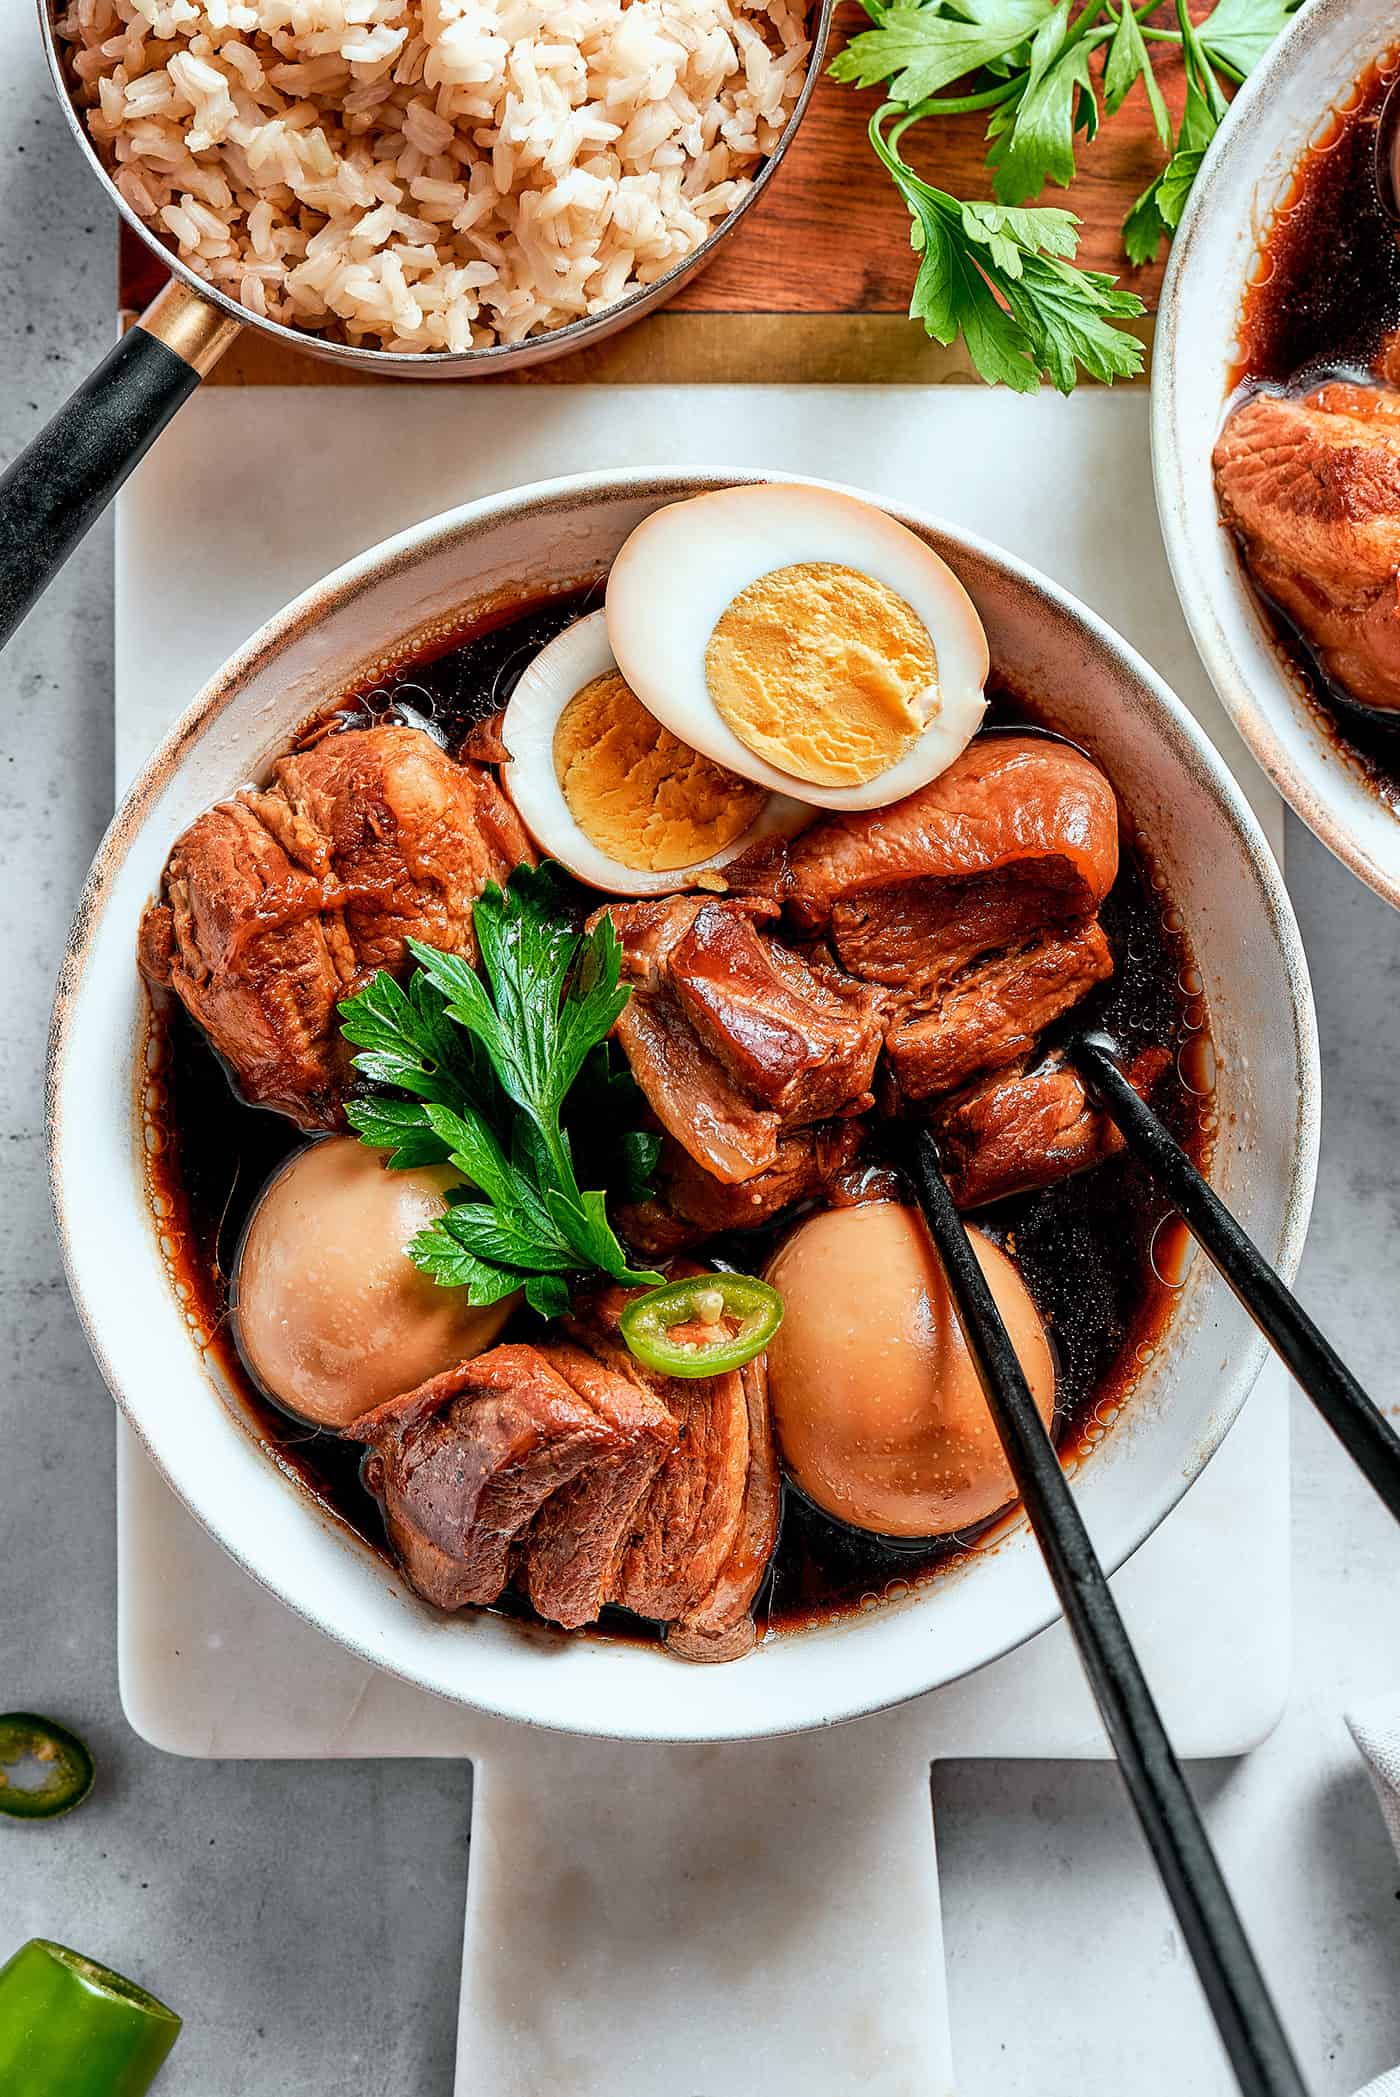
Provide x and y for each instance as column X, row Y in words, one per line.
column 682, row 567
column 554, row 677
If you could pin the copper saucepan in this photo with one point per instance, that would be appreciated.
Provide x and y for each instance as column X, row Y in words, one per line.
column 63, row 481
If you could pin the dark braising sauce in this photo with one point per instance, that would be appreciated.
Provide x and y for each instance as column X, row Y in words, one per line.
column 1096, row 1252
column 1323, row 296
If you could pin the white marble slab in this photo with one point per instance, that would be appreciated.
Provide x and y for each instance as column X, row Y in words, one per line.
column 767, row 1912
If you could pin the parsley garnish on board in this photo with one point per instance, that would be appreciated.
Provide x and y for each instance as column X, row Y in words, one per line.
column 490, row 1060
column 997, row 273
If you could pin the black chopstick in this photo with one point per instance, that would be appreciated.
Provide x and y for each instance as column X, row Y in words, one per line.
column 1359, row 1426
column 1235, row 1988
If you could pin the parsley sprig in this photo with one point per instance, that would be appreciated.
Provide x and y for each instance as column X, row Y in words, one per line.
column 491, row 1061
column 999, row 274
column 1003, row 278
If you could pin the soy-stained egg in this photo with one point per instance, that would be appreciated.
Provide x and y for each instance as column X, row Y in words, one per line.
column 876, row 1402
column 609, row 792
column 800, row 638
column 330, row 1314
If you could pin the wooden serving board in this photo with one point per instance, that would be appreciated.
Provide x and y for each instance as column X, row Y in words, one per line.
column 814, row 286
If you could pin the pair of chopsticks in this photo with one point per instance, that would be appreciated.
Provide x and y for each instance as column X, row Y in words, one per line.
column 1239, row 1998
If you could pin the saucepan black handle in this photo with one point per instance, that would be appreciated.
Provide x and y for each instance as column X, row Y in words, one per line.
column 62, row 482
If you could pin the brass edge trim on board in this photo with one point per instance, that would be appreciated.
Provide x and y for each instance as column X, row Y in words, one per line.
column 682, row 348
column 192, row 327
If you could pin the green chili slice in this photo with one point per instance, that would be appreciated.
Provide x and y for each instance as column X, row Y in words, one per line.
column 44, row 1769
column 703, row 1325
column 72, row 2028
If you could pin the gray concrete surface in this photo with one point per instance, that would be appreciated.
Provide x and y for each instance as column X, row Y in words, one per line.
column 306, row 1919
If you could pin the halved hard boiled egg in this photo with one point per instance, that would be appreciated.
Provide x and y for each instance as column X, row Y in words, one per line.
column 613, row 795
column 800, row 638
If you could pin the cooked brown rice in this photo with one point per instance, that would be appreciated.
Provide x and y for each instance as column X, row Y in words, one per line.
column 434, row 174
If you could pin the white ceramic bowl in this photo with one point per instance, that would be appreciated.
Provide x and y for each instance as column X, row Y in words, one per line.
column 1281, row 107
column 1217, row 869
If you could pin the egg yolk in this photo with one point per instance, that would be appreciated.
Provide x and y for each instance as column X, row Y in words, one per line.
column 639, row 793
column 824, row 672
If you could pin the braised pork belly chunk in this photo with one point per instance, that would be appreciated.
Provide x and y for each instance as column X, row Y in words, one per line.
column 279, row 903
column 1310, row 486
column 949, row 930
column 736, row 1038
column 970, row 906
column 565, row 1468
column 1027, row 1126
column 572, row 1557
column 463, row 1463
column 717, row 1619
column 691, row 1204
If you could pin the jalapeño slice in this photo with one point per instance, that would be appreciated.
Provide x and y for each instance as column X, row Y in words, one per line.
column 44, row 1769
column 703, row 1325
column 72, row 2028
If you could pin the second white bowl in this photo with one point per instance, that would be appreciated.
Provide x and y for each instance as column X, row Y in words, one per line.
column 1247, row 172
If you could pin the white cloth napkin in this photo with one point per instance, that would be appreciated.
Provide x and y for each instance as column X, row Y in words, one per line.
column 1376, row 1731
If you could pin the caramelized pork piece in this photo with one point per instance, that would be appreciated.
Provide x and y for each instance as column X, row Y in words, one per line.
column 572, row 1555
column 1024, row 806
column 689, row 1521
column 735, row 1038
column 1311, row 488
column 704, row 1533
column 995, row 1014
column 462, row 1465
column 869, row 1179
column 720, row 1625
column 1027, row 1127
column 970, row 904
column 692, row 1204
column 586, row 1479
column 279, row 903
column 1017, row 1129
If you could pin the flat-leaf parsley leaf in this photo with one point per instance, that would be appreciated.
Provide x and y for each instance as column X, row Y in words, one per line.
column 488, row 1060
column 1002, row 278
column 1010, row 287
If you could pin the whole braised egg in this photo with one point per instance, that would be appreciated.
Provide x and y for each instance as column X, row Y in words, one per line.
column 613, row 795
column 801, row 638
column 330, row 1314
column 877, row 1404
